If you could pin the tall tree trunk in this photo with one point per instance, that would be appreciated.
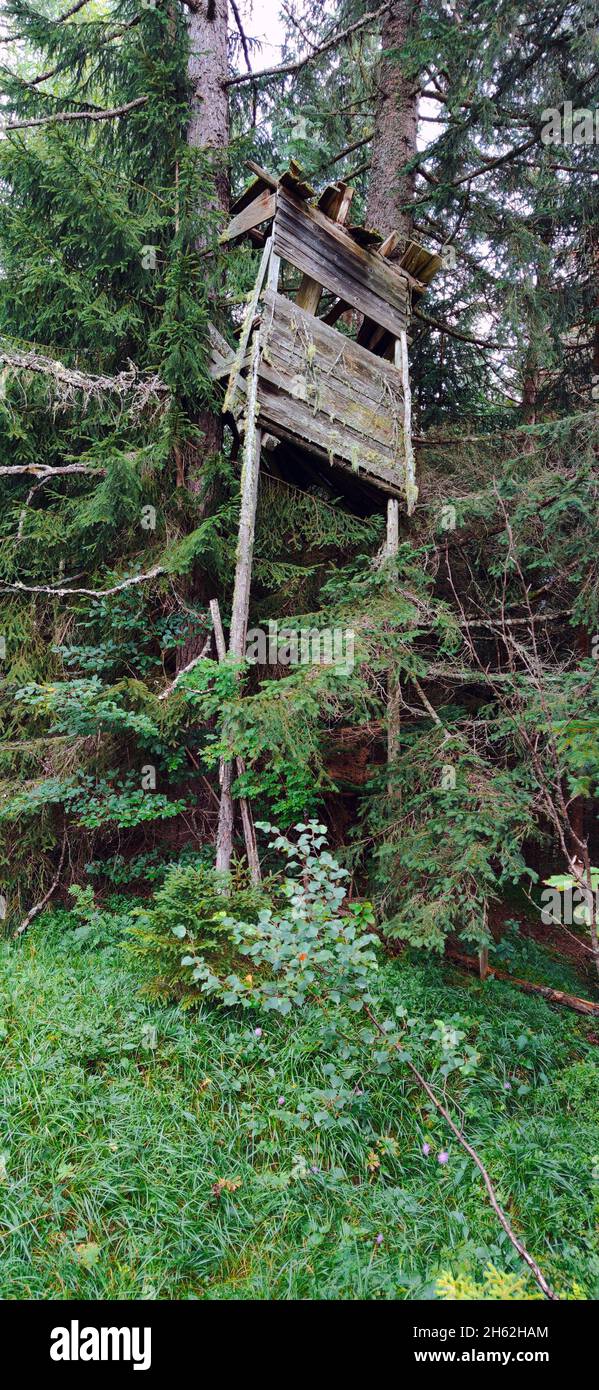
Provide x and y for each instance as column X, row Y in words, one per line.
column 396, row 126
column 208, row 130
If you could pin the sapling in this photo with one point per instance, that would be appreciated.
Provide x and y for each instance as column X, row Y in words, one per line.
column 315, row 946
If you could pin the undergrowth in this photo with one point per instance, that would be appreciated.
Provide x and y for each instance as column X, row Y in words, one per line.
column 146, row 1153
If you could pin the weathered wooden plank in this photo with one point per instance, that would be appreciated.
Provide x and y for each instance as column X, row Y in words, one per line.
column 334, row 203
column 335, row 387
column 338, row 400
column 366, row 371
column 365, row 236
column 420, row 263
column 341, row 269
column 292, row 180
column 317, row 437
column 364, row 423
column 324, row 250
column 262, row 181
column 261, row 209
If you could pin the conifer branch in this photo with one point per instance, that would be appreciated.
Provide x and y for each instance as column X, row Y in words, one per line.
column 288, row 69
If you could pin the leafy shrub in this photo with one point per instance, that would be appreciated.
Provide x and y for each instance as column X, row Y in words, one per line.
column 188, row 913
column 308, row 941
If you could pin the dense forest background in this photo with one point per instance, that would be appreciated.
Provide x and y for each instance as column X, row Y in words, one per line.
column 126, row 127
column 110, row 267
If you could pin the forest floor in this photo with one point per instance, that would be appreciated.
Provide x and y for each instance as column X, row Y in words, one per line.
column 146, row 1152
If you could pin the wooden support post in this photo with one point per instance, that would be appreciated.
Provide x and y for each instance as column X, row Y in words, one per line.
column 240, row 610
column 401, row 353
column 393, row 685
column 246, row 329
column 335, row 202
column 225, row 778
column 247, row 517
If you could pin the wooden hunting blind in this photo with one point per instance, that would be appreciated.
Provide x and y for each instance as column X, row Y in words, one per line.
column 326, row 402
column 334, row 399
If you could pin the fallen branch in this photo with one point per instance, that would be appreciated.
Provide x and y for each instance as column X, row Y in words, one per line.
column 553, row 996
column 461, row 1138
column 35, row 911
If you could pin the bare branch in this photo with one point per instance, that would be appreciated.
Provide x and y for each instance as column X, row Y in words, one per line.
column 462, row 1140
column 44, row 471
column 454, row 332
column 18, row 588
column 34, row 911
column 61, row 116
column 184, row 669
column 242, row 35
column 69, row 380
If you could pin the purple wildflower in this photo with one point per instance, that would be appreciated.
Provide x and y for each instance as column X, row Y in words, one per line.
column 379, row 1239
column 507, row 1085
column 281, row 1100
column 426, row 1148
column 257, row 1032
column 443, row 1157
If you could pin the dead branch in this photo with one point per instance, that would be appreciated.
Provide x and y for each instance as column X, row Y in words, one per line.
column 35, row 911
column 61, row 116
column 242, row 35
column 18, row 588
column 461, row 1138
column 142, row 391
column 44, row 471
column 184, row 669
column 553, row 996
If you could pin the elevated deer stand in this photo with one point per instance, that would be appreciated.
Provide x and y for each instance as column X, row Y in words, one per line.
column 341, row 404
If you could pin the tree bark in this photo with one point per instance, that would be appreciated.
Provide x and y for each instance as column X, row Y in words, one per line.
column 207, row 130
column 396, row 127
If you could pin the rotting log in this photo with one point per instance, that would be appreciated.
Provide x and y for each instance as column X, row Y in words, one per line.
column 553, row 996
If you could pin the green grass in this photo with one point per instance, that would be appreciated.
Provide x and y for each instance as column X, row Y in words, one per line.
column 112, row 1145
